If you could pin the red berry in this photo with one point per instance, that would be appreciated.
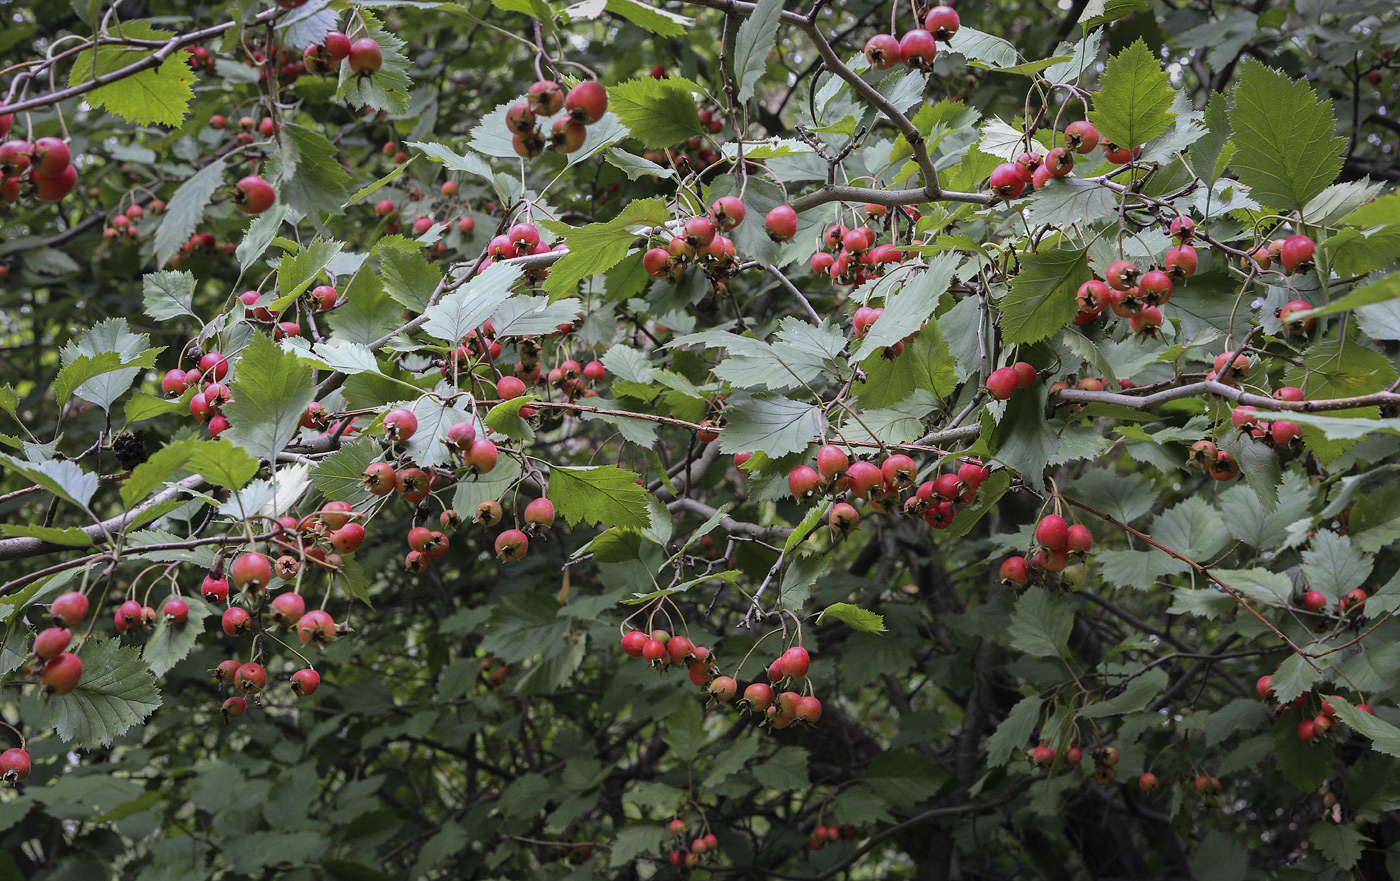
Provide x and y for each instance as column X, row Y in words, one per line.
column 251, row 572
column 1147, row 782
column 236, row 621
column 255, row 195
column 942, row 22
column 52, row 642
column 61, row 674
column 794, row 662
column 1081, row 136
column 365, row 56
column 287, row 608
column 511, row 545
column 176, row 610
column 917, row 49
column 882, row 51
column 305, row 682
column 1264, row 687
column 803, row 482
column 1006, row 182
column 587, row 102
column 1296, row 255
column 1052, row 532
column 214, row 590
column 14, row 765
column 400, row 424
column 69, row 609
column 727, row 212
column 632, row 642
column 1003, row 383
column 899, row 471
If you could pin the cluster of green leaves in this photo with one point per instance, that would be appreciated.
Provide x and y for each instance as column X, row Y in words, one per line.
column 414, row 760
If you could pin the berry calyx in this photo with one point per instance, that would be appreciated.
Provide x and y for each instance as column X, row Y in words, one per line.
column 305, row 682
column 14, row 765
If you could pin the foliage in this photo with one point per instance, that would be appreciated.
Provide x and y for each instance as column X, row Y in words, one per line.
column 476, row 716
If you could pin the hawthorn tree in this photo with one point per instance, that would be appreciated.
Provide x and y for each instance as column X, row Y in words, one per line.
column 720, row 439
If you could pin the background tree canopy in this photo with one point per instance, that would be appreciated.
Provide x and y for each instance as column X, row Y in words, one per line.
column 996, row 410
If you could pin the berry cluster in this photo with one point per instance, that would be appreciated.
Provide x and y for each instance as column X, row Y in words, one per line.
column 918, row 47
column 852, row 256
column 48, row 162
column 700, row 846
column 584, row 104
column 1061, row 548
column 701, row 240
column 935, row 501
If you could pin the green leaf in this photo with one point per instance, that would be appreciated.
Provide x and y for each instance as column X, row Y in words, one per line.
column 70, row 536
column 1384, row 737
column 465, row 309
column 925, row 365
column 308, row 175
column 1380, row 291
column 115, row 692
column 631, row 842
column 1023, row 440
column 651, row 18
column 659, row 113
column 1134, row 99
column 757, row 37
column 1333, row 566
column 505, row 418
column 1286, row 147
column 408, row 277
column 171, row 643
column 297, row 272
column 1097, row 12
column 685, row 731
column 1013, row 732
column 386, row 89
column 186, row 209
column 81, row 369
column 1340, row 369
column 104, row 386
column 1134, row 697
column 785, row 770
column 1341, row 844
column 910, row 306
column 65, row 479
column 854, row 617
column 599, row 494
column 159, row 95
column 1203, row 157
column 1042, row 297
column 597, row 247
column 1192, row 527
column 271, row 389
column 1293, row 677
column 771, row 423
column 1136, row 569
column 168, row 294
column 1070, row 200
column 1041, row 624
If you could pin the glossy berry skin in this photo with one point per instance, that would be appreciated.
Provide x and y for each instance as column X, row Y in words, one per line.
column 540, row 513
column 882, row 51
column 794, row 662
column 942, row 22
column 61, row 674
column 1148, row 782
column 1297, row 326
column 51, row 156
column 1297, row 252
column 803, row 482
column 52, row 642
column 14, row 765
column 1059, row 161
column 843, row 518
column 400, row 424
column 1314, row 601
column 1120, row 155
column 545, row 97
column 862, row 476
column 305, row 682
column 69, row 609
column 899, row 471
column 727, row 212
column 214, row 590
column 176, row 610
column 250, row 678
column 1181, row 262
column 587, row 102
column 1264, row 687
column 1078, row 538
column 481, row 456
column 1052, row 532
column 53, row 187
column 1003, row 382
column 251, row 572
column 1006, row 182
column 365, row 56
column 1015, row 571
column 1121, row 275
column 1081, row 137
column 511, row 545
column 917, row 49
column 255, row 195
column 632, row 642
column 1155, row 287
column 236, row 621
